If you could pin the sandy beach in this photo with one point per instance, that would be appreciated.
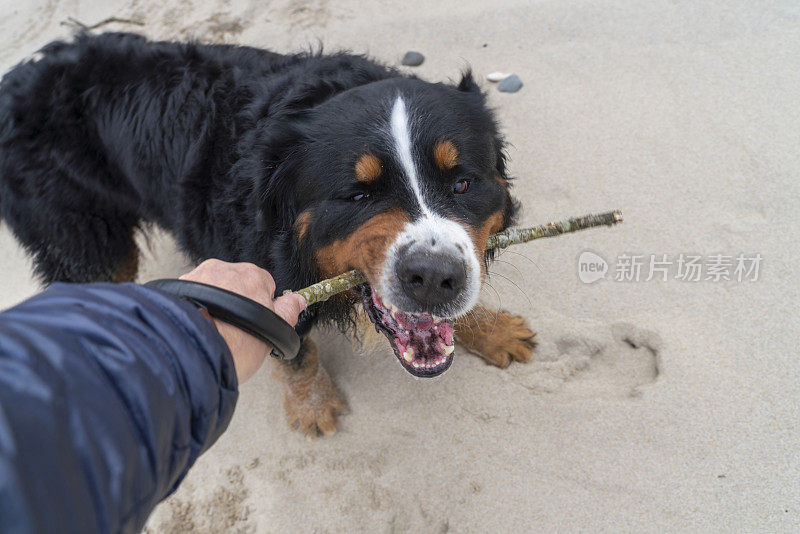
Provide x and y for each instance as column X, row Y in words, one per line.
column 651, row 405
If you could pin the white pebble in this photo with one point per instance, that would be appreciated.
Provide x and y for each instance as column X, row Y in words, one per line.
column 497, row 76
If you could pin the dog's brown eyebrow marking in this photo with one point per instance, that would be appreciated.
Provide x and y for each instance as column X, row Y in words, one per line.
column 368, row 168
column 445, row 154
column 301, row 224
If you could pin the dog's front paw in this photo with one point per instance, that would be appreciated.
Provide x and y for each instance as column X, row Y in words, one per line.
column 311, row 399
column 312, row 405
column 497, row 337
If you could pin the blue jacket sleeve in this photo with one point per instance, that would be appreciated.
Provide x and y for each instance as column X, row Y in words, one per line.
column 108, row 394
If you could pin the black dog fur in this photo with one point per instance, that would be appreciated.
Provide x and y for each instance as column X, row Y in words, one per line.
column 221, row 145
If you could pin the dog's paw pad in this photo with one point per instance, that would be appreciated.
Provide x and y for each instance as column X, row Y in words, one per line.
column 314, row 409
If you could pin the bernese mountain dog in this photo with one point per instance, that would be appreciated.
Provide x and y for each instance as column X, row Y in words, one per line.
column 307, row 165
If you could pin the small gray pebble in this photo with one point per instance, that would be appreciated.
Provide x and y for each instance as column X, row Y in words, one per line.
column 413, row 59
column 511, row 84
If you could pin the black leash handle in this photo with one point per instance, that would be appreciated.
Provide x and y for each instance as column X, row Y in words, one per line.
column 239, row 311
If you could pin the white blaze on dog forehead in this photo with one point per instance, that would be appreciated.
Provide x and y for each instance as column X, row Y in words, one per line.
column 430, row 230
column 430, row 224
column 401, row 136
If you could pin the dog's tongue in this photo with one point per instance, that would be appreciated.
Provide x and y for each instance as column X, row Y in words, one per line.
column 422, row 343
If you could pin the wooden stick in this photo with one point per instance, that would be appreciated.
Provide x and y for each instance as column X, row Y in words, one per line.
column 74, row 22
column 322, row 291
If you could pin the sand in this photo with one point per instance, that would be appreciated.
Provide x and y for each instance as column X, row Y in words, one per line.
column 649, row 406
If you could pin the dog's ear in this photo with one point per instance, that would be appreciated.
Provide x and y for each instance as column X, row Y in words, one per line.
column 274, row 198
column 467, row 83
column 272, row 170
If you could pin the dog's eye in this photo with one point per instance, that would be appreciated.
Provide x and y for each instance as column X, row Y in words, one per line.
column 359, row 196
column 461, row 187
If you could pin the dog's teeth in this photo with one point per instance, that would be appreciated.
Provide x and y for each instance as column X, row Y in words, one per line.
column 408, row 355
column 448, row 349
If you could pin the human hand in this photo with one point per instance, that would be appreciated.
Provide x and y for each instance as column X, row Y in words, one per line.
column 256, row 284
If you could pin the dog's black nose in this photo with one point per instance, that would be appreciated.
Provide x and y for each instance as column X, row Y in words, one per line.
column 431, row 279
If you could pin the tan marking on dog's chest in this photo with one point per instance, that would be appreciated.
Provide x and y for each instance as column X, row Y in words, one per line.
column 127, row 270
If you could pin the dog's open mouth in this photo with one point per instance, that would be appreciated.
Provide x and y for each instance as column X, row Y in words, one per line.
column 422, row 343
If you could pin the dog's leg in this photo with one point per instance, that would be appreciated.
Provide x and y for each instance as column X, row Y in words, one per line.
column 311, row 399
column 497, row 337
column 96, row 248
column 76, row 245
